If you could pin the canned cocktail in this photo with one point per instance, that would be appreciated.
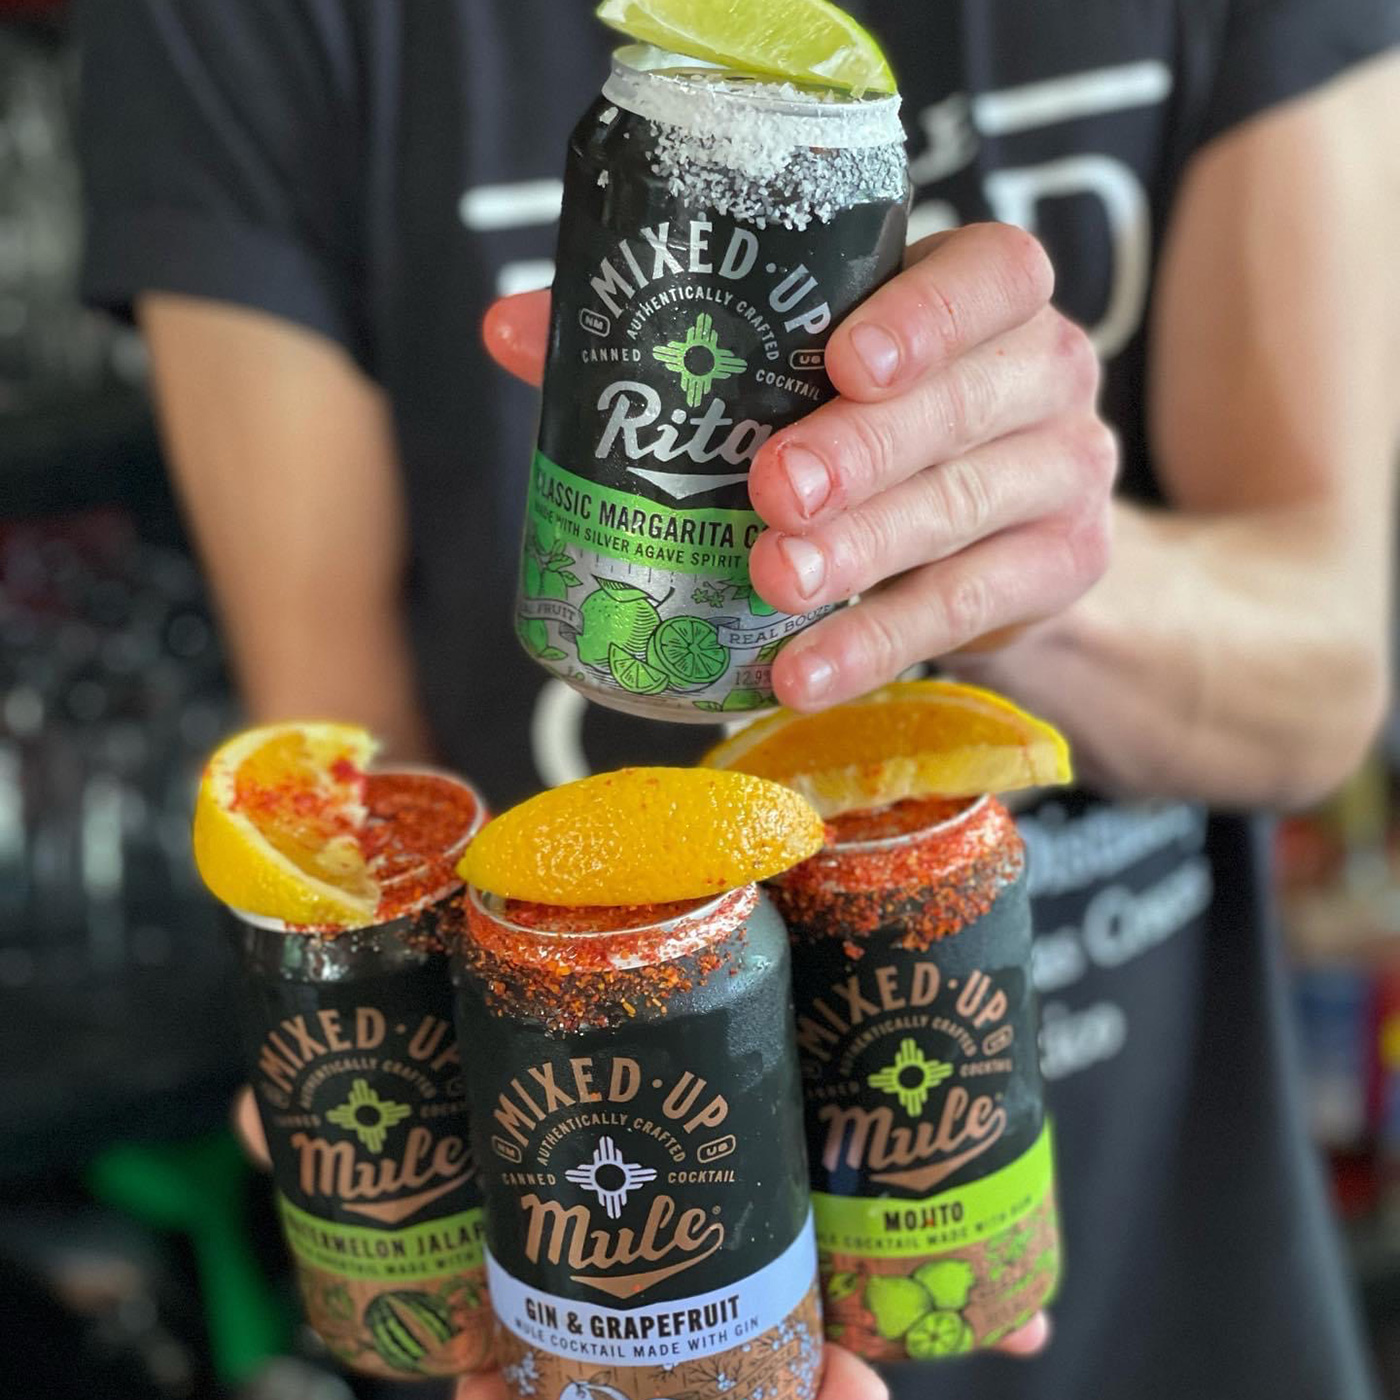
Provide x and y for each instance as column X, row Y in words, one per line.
column 352, row 1050
column 929, row 1148
column 639, row 1133
column 716, row 229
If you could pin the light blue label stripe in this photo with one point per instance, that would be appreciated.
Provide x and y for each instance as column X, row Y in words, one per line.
column 649, row 1334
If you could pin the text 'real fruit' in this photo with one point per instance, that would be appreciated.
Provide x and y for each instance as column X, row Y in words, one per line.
column 643, row 836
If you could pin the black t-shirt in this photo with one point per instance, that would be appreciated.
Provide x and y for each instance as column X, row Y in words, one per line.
column 379, row 170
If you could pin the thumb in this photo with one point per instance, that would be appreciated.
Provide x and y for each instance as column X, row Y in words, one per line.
column 247, row 1125
column 516, row 332
column 848, row 1378
column 490, row 1386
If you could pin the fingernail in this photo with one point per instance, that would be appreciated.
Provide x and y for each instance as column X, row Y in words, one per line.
column 878, row 351
column 807, row 563
column 817, row 676
column 808, row 479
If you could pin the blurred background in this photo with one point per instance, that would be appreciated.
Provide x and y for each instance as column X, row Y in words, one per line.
column 137, row 1250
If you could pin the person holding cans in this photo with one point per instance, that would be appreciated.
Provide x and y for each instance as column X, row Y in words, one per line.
column 1155, row 241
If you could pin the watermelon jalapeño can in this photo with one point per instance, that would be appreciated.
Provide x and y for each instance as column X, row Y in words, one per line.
column 930, row 1152
column 638, row 1126
column 716, row 229
column 359, row 1084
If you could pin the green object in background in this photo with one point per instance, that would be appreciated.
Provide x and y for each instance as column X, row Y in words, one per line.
column 199, row 1189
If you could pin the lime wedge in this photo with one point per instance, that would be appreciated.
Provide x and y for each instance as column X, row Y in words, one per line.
column 805, row 41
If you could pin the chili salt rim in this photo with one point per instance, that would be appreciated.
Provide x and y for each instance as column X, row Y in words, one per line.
column 454, row 852
column 930, row 883
column 450, row 855
column 662, row 942
column 268, row 924
column 903, row 838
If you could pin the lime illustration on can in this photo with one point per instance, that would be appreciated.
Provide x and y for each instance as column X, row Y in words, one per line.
column 716, row 229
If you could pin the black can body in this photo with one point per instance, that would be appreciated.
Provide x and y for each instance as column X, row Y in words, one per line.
column 930, row 1151
column 358, row 1079
column 648, row 1214
column 699, row 277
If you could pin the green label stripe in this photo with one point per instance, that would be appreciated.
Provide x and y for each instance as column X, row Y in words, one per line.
column 886, row 1228
column 618, row 525
column 446, row 1246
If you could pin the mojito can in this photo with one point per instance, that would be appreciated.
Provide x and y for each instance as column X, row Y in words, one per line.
column 716, row 229
column 930, row 1152
column 638, row 1127
column 359, row 1084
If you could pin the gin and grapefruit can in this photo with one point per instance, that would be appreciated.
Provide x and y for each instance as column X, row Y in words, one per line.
column 930, row 1151
column 359, row 1084
column 716, row 229
column 638, row 1127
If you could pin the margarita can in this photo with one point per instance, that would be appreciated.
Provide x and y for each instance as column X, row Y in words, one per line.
column 929, row 1147
column 359, row 1085
column 716, row 229
column 638, row 1125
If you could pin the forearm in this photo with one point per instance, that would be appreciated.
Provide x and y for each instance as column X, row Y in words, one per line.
column 320, row 662
column 1238, row 660
column 285, row 463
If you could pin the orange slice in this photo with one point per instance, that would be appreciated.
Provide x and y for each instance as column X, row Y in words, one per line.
column 643, row 836
column 910, row 739
column 276, row 823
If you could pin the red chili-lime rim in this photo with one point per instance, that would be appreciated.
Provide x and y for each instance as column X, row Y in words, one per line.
column 448, row 858
column 646, row 943
column 907, row 838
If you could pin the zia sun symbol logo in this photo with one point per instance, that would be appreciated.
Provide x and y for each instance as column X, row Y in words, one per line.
column 368, row 1116
column 910, row 1078
column 699, row 359
column 610, row 1178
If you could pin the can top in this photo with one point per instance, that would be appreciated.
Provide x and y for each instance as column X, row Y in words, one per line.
column 597, row 939
column 708, row 100
column 902, row 824
column 759, row 151
column 573, row 971
column 411, row 879
column 930, row 879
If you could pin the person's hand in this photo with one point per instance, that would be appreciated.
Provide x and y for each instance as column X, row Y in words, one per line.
column 961, row 482
column 847, row 1378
